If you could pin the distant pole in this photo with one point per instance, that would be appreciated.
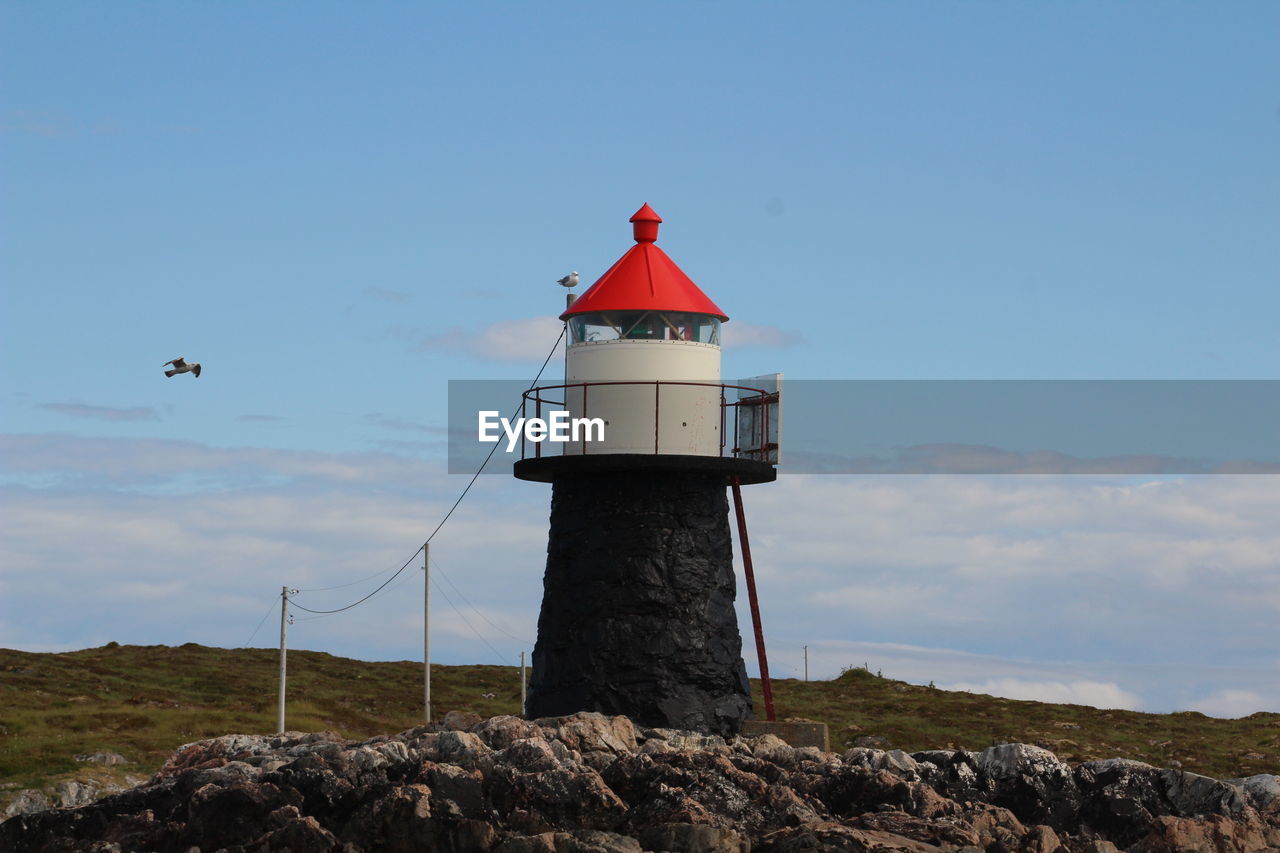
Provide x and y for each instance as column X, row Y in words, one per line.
column 806, row 663
column 750, row 575
column 426, row 632
column 522, row 689
column 284, row 624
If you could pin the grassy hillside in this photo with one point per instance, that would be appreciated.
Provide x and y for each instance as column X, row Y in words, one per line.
column 143, row 701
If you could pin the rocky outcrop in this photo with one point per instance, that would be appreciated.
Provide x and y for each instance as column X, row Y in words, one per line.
column 587, row 783
column 68, row 793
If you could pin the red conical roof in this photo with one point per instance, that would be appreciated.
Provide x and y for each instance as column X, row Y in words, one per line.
column 644, row 279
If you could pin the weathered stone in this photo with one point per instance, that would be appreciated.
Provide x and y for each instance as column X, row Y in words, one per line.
column 677, row 739
column 396, row 820
column 73, row 793
column 462, row 748
column 637, row 611
column 771, row 748
column 837, row 838
column 27, row 801
column 1100, row 846
column 1042, row 839
column 1031, row 782
column 798, row 733
column 460, row 720
column 1191, row 794
column 693, row 838
column 585, row 841
column 107, row 759
column 937, row 832
column 992, row 823
column 589, row 731
column 1263, row 792
column 543, row 843
column 895, row 761
column 501, row 732
column 1214, row 834
column 295, row 831
column 579, row 783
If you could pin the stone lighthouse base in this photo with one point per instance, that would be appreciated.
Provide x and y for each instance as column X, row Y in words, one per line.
column 637, row 609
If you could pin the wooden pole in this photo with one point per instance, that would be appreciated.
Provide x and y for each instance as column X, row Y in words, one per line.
column 755, row 603
column 426, row 633
column 284, row 624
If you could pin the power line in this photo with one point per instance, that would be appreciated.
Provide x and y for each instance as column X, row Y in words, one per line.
column 345, row 585
column 370, row 595
column 474, row 477
column 494, row 449
column 497, row 628
column 466, row 622
column 260, row 623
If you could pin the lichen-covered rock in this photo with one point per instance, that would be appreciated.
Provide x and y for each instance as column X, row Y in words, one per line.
column 693, row 838
column 591, row 732
column 500, row 732
column 1031, row 782
column 595, row 784
column 106, row 759
column 27, row 801
column 1263, row 792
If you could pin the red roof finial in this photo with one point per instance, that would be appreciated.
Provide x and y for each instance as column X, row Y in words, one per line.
column 645, row 224
column 644, row 279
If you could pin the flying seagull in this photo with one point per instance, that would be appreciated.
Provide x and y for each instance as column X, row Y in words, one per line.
column 571, row 280
column 180, row 366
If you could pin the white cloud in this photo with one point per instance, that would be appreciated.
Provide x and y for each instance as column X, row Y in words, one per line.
column 741, row 335
column 216, row 556
column 103, row 413
column 1099, row 694
column 1114, row 575
column 383, row 294
column 1108, row 592
column 1235, row 703
column 523, row 340
column 530, row 338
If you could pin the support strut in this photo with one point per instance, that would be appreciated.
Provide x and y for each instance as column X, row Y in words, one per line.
column 755, row 602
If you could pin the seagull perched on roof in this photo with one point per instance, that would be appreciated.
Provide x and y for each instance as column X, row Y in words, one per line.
column 180, row 366
column 571, row 280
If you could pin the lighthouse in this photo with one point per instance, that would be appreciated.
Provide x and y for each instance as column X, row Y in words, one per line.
column 637, row 613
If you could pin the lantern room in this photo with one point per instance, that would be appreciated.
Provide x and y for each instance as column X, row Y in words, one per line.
column 643, row 357
column 603, row 326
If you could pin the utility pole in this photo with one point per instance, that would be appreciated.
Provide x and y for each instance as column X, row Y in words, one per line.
column 806, row 663
column 522, row 689
column 426, row 632
column 284, row 624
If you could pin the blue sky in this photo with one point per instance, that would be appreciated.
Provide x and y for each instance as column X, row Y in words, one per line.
column 338, row 207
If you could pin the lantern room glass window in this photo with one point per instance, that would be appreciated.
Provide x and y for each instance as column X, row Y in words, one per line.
column 644, row 326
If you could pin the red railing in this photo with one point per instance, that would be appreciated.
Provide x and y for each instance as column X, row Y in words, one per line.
column 755, row 397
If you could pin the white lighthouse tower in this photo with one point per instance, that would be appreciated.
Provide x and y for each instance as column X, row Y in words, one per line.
column 646, row 324
column 643, row 355
column 637, row 611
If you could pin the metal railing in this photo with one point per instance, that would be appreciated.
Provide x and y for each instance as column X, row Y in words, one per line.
column 754, row 397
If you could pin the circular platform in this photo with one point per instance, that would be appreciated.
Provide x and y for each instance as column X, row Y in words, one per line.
column 548, row 469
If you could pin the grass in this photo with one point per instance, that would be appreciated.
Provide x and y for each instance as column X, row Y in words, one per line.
column 144, row 701
column 913, row 717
